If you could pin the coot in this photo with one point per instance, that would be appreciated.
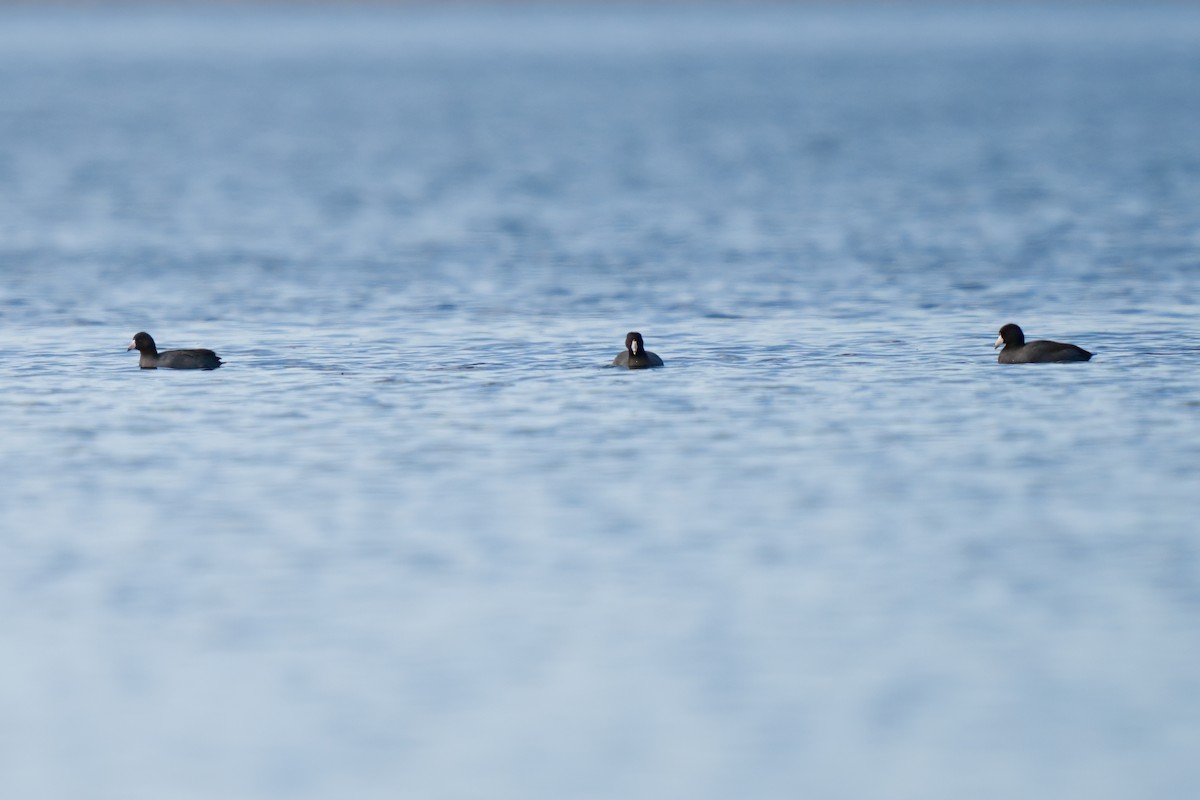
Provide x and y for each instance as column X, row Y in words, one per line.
column 172, row 359
column 1018, row 351
column 636, row 356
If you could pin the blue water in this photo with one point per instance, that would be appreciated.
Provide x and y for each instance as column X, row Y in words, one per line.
column 416, row 540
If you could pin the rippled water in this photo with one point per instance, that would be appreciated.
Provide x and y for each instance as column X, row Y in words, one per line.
column 415, row 539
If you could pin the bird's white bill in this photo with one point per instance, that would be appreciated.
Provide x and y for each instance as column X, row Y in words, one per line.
column 999, row 342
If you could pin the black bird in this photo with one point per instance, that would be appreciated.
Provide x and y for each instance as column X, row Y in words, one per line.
column 1018, row 351
column 172, row 359
column 636, row 356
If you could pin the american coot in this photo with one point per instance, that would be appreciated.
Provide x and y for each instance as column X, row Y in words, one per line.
column 172, row 359
column 636, row 356
column 1017, row 351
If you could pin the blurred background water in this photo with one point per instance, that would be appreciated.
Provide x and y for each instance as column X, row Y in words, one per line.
column 416, row 540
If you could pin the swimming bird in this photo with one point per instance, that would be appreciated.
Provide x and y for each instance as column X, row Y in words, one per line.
column 1018, row 351
column 636, row 356
column 150, row 358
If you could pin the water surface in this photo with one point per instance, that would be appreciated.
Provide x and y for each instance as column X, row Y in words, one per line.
column 415, row 539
